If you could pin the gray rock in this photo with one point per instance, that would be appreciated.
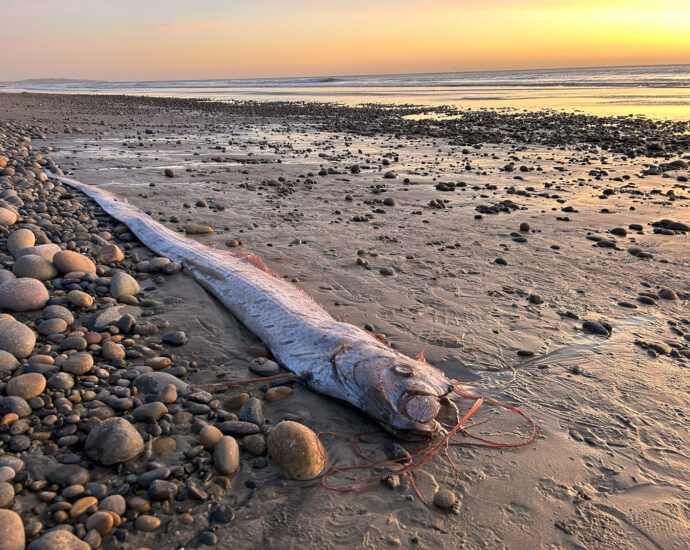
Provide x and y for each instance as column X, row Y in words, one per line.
column 123, row 283
column 6, row 275
column 61, row 381
column 45, row 251
column 14, row 404
column 23, row 295
column 34, row 267
column 162, row 490
column 238, row 428
column 113, row 441
column 252, row 411
column 175, row 338
column 150, row 412
column 65, row 475
column 58, row 312
column 16, row 338
column 6, row 496
column 154, row 382
column 8, row 362
column 21, row 238
column 79, row 364
column 52, row 326
column 264, row 367
column 58, row 539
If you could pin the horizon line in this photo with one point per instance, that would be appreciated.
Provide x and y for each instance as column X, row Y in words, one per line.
column 354, row 75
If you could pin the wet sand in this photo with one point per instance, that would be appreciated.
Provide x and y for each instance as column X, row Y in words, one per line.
column 609, row 469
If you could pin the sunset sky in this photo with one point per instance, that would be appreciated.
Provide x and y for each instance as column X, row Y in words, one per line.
column 195, row 39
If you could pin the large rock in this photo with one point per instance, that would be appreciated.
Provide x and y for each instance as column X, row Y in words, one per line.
column 34, row 267
column 67, row 260
column 123, row 283
column 6, row 275
column 7, row 217
column 45, row 251
column 58, row 539
column 23, row 295
column 12, row 530
column 154, row 382
column 14, row 404
column 226, row 455
column 113, row 441
column 21, row 238
column 16, row 338
column 26, row 385
column 8, row 362
column 296, row 449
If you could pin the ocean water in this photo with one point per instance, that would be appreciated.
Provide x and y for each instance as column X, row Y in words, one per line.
column 661, row 91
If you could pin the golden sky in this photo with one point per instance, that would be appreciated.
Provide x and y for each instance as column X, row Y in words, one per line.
column 195, row 39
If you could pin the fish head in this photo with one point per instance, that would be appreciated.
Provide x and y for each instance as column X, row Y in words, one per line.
column 401, row 393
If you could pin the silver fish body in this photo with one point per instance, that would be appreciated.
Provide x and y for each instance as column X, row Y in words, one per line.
column 331, row 357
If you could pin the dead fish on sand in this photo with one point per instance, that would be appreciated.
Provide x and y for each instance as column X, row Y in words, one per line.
column 331, row 357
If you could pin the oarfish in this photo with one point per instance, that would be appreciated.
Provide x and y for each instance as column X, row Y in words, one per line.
column 329, row 356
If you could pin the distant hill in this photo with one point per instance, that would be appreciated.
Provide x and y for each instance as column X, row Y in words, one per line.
column 48, row 81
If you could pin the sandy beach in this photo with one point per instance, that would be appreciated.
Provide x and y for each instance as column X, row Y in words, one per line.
column 553, row 243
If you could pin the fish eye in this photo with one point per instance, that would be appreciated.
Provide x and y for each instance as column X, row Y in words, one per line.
column 403, row 370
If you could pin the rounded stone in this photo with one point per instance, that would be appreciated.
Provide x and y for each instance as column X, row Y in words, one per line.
column 14, row 404
column 7, row 217
column 21, row 238
column 226, row 455
column 58, row 539
column 79, row 298
column 45, row 251
column 6, row 496
column 79, row 364
column 296, row 449
column 23, row 295
column 81, row 506
column 34, row 267
column 668, row 294
column 68, row 260
column 112, row 350
column 16, row 338
column 276, row 394
column 11, row 530
column 444, row 499
column 52, row 326
column 209, row 436
column 154, row 382
column 58, row 312
column 150, row 412
column 26, row 385
column 8, row 362
column 147, row 523
column 114, row 503
column 175, row 338
column 61, row 381
column 122, row 283
column 113, row 441
column 110, row 254
column 101, row 522
column 6, row 275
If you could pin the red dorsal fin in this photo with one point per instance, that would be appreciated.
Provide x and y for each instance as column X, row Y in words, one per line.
column 420, row 357
column 257, row 262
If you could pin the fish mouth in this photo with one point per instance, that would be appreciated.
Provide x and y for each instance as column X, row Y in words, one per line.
column 420, row 407
column 420, row 431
